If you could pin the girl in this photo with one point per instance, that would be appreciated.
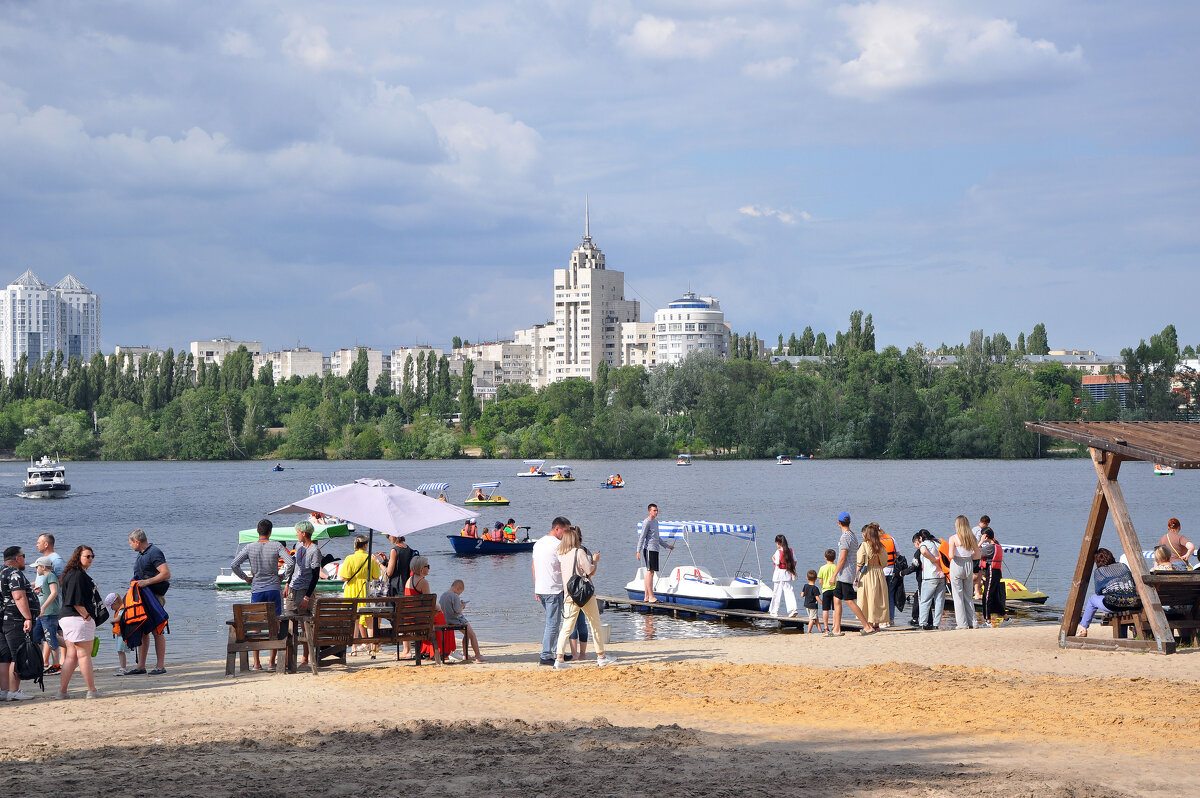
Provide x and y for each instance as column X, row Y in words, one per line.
column 782, row 577
column 964, row 550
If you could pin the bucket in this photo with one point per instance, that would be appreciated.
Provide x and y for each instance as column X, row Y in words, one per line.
column 603, row 634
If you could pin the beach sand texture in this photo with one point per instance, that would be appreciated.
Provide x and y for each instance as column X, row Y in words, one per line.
column 899, row 713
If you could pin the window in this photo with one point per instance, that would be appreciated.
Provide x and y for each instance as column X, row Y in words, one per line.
column 689, row 327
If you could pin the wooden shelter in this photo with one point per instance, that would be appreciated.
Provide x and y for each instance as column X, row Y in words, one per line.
column 1171, row 443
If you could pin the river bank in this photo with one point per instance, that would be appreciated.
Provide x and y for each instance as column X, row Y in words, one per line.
column 981, row 713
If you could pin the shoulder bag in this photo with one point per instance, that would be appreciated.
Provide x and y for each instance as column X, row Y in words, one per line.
column 579, row 588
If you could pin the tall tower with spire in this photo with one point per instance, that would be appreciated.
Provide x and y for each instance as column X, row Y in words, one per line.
column 589, row 309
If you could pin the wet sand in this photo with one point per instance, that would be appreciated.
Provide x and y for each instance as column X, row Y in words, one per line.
column 976, row 713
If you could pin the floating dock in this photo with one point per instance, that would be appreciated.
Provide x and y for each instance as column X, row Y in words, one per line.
column 800, row 622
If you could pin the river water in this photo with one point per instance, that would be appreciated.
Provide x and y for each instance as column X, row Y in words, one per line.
column 194, row 510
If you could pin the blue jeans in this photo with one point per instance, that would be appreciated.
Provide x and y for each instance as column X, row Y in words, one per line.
column 933, row 598
column 553, row 602
column 45, row 629
column 1095, row 604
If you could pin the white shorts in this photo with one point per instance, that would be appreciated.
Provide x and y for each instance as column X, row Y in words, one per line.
column 76, row 629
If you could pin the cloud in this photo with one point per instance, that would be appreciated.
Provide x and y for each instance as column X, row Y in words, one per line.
column 669, row 39
column 770, row 70
column 903, row 47
column 487, row 149
column 308, row 44
column 239, row 43
column 763, row 212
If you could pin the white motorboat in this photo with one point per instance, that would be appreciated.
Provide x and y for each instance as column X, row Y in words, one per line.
column 683, row 460
column 45, row 479
column 698, row 587
column 535, row 469
column 322, row 533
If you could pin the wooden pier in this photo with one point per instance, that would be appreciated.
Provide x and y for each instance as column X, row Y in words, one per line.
column 693, row 611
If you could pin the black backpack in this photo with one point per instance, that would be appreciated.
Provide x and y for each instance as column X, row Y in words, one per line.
column 28, row 661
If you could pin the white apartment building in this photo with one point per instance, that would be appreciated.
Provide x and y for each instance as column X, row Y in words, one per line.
column 540, row 340
column 399, row 356
column 287, row 363
column 342, row 360
column 589, row 309
column 37, row 319
column 216, row 350
column 513, row 362
column 690, row 324
column 638, row 344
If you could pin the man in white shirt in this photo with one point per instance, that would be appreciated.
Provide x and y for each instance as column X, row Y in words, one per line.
column 548, row 585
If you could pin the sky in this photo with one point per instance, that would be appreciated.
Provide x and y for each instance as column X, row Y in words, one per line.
column 332, row 174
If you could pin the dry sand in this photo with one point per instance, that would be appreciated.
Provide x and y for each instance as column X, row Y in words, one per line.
column 972, row 713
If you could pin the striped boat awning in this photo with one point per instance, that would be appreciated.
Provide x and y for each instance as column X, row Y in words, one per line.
column 485, row 485
column 320, row 487
column 679, row 529
column 440, row 487
column 1028, row 551
column 534, row 462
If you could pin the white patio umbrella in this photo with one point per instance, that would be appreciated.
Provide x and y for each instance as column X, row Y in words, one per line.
column 379, row 505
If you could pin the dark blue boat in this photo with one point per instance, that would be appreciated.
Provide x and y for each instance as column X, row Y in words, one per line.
column 465, row 545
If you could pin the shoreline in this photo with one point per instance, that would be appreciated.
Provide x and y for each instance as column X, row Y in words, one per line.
column 897, row 713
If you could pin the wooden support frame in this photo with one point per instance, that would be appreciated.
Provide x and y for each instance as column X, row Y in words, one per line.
column 1109, row 499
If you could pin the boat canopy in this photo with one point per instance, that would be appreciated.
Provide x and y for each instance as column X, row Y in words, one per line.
column 440, row 487
column 681, row 529
column 1028, row 551
column 562, row 468
column 287, row 534
column 320, row 487
column 535, row 462
column 683, row 456
column 486, row 485
column 787, row 457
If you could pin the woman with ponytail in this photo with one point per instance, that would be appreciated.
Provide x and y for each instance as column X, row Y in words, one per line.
column 782, row 577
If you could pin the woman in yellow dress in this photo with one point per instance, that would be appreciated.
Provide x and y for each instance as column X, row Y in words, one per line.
column 872, row 584
column 355, row 572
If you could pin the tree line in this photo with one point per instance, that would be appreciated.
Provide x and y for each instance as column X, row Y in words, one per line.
column 848, row 400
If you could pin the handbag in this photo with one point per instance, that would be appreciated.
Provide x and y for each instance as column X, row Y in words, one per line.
column 579, row 588
column 99, row 611
column 1122, row 601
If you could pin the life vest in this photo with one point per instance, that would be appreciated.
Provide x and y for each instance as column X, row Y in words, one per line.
column 996, row 561
column 944, row 558
column 889, row 546
column 138, row 615
column 510, row 534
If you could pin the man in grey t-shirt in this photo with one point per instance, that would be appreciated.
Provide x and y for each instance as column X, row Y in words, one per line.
column 649, row 545
column 843, row 591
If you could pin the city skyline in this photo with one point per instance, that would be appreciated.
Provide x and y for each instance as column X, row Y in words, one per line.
column 388, row 175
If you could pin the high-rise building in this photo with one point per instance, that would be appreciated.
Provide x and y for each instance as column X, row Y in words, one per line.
column 589, row 309
column 216, row 350
column 37, row 319
column 690, row 324
column 287, row 363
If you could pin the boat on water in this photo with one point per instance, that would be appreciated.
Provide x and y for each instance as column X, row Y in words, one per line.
column 440, row 488
column 45, row 479
column 696, row 586
column 783, row 459
column 1163, row 470
column 483, row 495
column 562, row 474
column 613, row 482
column 1016, row 589
column 683, row 460
column 535, row 469
column 323, row 531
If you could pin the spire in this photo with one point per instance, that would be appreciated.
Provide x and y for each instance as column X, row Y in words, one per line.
column 587, row 220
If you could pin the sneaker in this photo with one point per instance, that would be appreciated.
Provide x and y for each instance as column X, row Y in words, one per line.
column 120, row 672
column 547, row 662
column 602, row 661
column 456, row 656
column 560, row 665
column 793, row 614
column 568, row 657
column 928, row 627
column 93, row 694
column 61, row 696
column 19, row 695
column 135, row 671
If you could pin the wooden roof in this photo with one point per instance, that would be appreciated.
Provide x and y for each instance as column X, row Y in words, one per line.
column 1172, row 443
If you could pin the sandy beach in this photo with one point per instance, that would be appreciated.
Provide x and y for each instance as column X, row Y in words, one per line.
column 978, row 713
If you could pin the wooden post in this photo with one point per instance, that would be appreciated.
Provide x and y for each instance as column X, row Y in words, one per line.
column 1151, row 606
column 1108, row 465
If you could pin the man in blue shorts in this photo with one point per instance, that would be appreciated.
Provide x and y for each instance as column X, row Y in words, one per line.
column 264, row 555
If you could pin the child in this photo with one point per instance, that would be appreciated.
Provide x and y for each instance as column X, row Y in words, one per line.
column 811, row 594
column 113, row 602
column 452, row 607
column 45, row 627
column 826, row 580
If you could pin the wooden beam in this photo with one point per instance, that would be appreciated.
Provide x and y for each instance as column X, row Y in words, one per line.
column 1081, row 586
column 1119, row 644
column 1133, row 554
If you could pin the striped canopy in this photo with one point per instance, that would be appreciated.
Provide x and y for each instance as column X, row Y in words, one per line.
column 534, row 462
column 320, row 487
column 486, row 485
column 679, row 529
column 440, row 487
column 1028, row 551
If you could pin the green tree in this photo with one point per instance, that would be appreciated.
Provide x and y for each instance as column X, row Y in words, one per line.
column 1037, row 343
column 358, row 373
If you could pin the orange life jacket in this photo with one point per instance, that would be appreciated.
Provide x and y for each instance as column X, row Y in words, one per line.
column 889, row 546
column 944, row 559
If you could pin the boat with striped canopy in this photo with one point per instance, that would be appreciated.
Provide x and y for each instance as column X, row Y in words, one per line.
column 696, row 586
column 483, row 495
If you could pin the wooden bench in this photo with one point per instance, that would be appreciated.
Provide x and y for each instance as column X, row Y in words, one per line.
column 329, row 631
column 1179, row 590
column 411, row 621
column 256, row 627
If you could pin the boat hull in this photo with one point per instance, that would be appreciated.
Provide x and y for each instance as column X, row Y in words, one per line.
column 486, row 502
column 697, row 588
column 533, row 475
column 58, row 491
column 231, row 582
column 612, row 487
column 467, row 546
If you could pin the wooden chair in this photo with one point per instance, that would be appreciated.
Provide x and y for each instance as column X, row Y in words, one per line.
column 412, row 622
column 329, row 631
column 255, row 627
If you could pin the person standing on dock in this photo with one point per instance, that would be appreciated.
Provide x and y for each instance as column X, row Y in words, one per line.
column 648, row 546
column 548, row 585
column 150, row 570
column 844, row 592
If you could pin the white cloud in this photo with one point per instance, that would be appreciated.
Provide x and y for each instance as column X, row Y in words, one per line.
column 240, row 43
column 667, row 39
column 764, row 212
column 488, row 149
column 770, row 70
column 905, row 46
column 387, row 123
column 309, row 44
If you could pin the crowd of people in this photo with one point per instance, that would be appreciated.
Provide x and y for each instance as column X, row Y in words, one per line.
column 58, row 611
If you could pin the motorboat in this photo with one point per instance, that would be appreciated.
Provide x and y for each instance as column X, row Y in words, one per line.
column 45, row 479
column 1163, row 470
column 683, row 460
column 482, row 495
column 562, row 474
column 323, row 532
column 1016, row 589
column 698, row 587
column 464, row 545
column 535, row 469
column 783, row 459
